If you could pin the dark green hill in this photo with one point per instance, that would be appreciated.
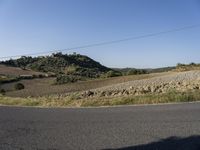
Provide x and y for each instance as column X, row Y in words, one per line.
column 72, row 64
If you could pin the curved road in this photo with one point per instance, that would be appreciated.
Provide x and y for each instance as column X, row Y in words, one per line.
column 162, row 127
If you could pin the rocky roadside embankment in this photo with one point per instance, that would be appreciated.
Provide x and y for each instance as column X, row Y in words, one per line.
column 180, row 81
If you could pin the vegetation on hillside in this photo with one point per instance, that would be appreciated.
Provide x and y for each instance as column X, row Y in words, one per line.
column 112, row 73
column 71, row 67
column 134, row 71
column 187, row 67
column 163, row 69
column 74, row 64
column 178, row 67
column 66, row 67
column 131, row 71
column 61, row 79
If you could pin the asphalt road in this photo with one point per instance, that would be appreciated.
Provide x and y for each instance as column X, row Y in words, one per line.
column 165, row 127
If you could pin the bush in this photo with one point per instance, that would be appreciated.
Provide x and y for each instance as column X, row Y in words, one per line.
column 61, row 79
column 2, row 91
column 136, row 71
column 113, row 74
column 180, row 65
column 192, row 64
column 132, row 72
column 19, row 86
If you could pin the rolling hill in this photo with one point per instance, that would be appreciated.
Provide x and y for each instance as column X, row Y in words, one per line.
column 58, row 63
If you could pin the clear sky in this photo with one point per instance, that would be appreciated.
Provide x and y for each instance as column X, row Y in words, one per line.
column 29, row 26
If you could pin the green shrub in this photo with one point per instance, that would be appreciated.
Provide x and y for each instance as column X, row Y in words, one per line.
column 2, row 91
column 132, row 72
column 180, row 65
column 61, row 79
column 19, row 86
column 136, row 71
column 192, row 64
column 113, row 74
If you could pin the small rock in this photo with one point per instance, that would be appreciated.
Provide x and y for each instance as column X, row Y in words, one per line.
column 102, row 93
column 108, row 93
column 153, row 89
column 126, row 92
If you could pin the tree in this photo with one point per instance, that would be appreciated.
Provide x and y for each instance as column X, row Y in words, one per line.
column 192, row 64
column 132, row 72
column 113, row 74
column 23, row 61
column 59, row 54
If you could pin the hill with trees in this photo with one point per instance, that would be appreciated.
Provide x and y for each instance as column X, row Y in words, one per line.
column 66, row 67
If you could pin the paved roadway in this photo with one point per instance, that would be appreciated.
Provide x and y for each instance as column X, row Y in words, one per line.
column 164, row 127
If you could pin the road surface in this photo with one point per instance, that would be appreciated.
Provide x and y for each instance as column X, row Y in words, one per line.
column 163, row 127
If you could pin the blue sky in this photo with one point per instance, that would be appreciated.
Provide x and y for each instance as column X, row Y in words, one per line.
column 30, row 26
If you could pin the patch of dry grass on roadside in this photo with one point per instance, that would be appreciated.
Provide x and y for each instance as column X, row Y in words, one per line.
column 169, row 97
column 40, row 101
column 74, row 100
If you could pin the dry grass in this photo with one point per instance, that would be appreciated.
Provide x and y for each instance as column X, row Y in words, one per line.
column 169, row 97
column 40, row 101
column 74, row 101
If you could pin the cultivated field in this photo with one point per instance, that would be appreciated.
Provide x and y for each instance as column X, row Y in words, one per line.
column 15, row 71
column 150, row 88
column 46, row 86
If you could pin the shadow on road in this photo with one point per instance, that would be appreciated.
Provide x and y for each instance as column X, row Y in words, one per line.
column 171, row 143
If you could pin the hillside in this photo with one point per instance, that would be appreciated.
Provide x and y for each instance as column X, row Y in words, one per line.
column 131, row 71
column 187, row 67
column 72, row 64
column 13, row 74
column 163, row 69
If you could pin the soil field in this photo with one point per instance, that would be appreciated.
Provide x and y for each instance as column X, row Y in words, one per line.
column 14, row 71
column 46, row 86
